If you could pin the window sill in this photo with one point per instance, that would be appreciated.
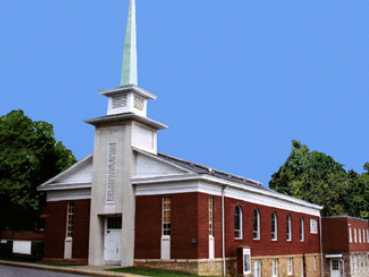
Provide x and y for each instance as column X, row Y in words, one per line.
column 238, row 239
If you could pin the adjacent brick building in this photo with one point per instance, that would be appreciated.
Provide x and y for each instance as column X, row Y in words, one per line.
column 346, row 246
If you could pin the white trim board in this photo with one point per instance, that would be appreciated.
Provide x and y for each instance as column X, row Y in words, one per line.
column 188, row 186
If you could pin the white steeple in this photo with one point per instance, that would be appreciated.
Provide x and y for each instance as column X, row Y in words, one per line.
column 128, row 97
column 129, row 66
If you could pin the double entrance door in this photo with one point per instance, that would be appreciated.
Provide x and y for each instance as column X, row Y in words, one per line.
column 113, row 240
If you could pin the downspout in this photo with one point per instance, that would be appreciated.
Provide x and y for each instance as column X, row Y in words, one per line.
column 322, row 273
column 223, row 234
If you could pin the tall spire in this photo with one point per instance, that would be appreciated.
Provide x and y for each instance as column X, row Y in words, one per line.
column 129, row 67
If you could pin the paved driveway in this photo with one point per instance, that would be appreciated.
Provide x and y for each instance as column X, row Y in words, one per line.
column 8, row 271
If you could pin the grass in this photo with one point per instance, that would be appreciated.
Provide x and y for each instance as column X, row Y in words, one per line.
column 152, row 272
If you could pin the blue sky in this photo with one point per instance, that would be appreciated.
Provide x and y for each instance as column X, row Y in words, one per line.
column 237, row 80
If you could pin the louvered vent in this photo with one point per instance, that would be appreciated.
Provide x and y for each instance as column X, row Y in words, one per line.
column 139, row 102
column 119, row 101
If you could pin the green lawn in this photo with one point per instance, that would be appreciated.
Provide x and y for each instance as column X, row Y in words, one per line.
column 153, row 272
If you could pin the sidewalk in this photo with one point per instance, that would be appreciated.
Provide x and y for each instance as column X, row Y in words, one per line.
column 82, row 270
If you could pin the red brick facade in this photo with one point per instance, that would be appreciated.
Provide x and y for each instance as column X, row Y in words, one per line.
column 56, row 215
column 190, row 237
column 336, row 235
column 265, row 246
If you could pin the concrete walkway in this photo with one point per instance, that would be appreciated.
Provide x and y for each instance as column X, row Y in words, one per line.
column 79, row 270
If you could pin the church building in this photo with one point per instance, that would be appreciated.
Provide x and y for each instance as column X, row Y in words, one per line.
column 129, row 204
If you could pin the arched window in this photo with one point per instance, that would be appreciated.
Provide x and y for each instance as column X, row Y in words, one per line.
column 274, row 232
column 289, row 228
column 238, row 223
column 256, row 225
column 302, row 230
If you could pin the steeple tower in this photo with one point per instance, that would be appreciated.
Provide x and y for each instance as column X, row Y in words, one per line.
column 118, row 135
column 129, row 66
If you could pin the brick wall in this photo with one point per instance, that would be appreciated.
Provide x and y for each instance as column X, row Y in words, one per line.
column 56, row 214
column 148, row 227
column 335, row 235
column 81, row 229
column 358, row 224
column 188, row 226
column 265, row 246
column 190, row 229
column 55, row 229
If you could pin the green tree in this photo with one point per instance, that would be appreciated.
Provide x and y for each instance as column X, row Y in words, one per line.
column 315, row 177
column 29, row 155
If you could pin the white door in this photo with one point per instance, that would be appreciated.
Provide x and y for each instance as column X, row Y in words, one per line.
column 113, row 241
column 211, row 247
column 335, row 268
column 257, row 269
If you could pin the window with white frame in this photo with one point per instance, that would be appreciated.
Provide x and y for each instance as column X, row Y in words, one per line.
column 363, row 235
column 238, row 233
column 302, row 268
column 290, row 266
column 256, row 225
column 211, row 215
column 289, row 228
column 302, row 229
column 274, row 233
column 359, row 231
column 313, row 226
column 350, row 234
column 257, row 269
column 274, row 268
column 355, row 235
column 70, row 219
column 367, row 235
column 166, row 217
column 315, row 265
column 246, row 261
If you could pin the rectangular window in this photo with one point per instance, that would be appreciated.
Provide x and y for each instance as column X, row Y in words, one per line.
column 359, row 235
column 367, row 235
column 289, row 228
column 290, row 266
column 302, row 230
column 274, row 268
column 257, row 269
column 350, row 234
column 355, row 235
column 114, row 223
column 313, row 226
column 238, row 232
column 274, row 233
column 246, row 261
column 211, row 215
column 70, row 219
column 315, row 265
column 166, row 217
column 363, row 235
column 302, row 267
